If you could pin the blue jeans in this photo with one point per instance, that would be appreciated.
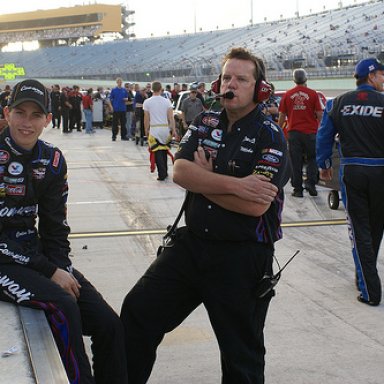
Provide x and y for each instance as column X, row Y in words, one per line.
column 88, row 120
column 128, row 124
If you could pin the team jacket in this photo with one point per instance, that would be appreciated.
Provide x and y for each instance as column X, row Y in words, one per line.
column 33, row 184
column 358, row 118
column 255, row 145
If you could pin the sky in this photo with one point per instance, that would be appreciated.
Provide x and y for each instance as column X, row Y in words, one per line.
column 162, row 17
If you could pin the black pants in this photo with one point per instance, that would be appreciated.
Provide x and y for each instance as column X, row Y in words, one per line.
column 75, row 119
column 69, row 319
column 362, row 192
column 222, row 276
column 139, row 121
column 65, row 119
column 161, row 160
column 119, row 118
column 302, row 146
column 56, row 118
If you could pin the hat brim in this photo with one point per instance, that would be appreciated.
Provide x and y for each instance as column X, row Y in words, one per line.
column 21, row 101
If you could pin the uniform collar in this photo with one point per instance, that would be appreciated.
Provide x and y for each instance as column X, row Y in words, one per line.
column 365, row 87
column 15, row 149
column 245, row 121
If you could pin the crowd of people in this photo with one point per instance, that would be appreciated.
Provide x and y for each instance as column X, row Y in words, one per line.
column 233, row 162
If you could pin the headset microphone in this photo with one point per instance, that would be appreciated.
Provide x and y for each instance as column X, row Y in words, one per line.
column 227, row 95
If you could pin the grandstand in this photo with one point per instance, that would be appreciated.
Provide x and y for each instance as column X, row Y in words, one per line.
column 64, row 26
column 326, row 44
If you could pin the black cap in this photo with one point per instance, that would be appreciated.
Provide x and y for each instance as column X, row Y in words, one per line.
column 30, row 90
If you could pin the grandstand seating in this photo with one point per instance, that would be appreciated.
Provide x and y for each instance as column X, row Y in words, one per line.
column 326, row 43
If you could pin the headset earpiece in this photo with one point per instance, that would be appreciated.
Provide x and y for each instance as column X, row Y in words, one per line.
column 216, row 84
column 263, row 91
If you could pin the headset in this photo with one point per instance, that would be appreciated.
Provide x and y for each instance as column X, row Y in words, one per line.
column 263, row 89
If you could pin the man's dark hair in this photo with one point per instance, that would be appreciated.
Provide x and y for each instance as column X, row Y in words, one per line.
column 361, row 80
column 156, row 86
column 243, row 54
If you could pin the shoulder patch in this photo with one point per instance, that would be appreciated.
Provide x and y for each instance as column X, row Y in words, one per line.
column 56, row 159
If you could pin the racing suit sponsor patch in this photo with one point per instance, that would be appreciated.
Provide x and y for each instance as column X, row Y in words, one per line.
column 14, row 290
column 15, row 168
column 217, row 134
column 56, row 159
column 4, row 156
column 38, row 173
column 211, row 121
column 362, row 110
column 15, row 190
column 16, row 257
column 273, row 151
column 29, row 210
column 13, row 180
column 271, row 159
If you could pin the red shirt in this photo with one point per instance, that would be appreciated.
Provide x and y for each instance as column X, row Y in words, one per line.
column 87, row 102
column 300, row 104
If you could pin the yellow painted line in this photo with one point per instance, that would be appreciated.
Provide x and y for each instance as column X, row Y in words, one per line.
column 117, row 233
column 314, row 223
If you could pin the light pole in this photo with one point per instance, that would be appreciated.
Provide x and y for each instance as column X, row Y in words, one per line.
column 251, row 19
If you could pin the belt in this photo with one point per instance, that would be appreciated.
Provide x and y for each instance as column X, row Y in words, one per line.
column 366, row 161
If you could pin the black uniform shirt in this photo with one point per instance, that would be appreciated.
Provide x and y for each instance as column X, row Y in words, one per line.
column 33, row 184
column 359, row 118
column 255, row 145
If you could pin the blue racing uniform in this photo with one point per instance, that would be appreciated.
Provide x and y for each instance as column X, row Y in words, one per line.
column 358, row 119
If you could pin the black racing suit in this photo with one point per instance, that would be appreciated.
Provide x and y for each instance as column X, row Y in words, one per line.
column 33, row 184
column 217, row 259
column 358, row 117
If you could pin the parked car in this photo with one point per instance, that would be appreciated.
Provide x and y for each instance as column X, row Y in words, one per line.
column 177, row 113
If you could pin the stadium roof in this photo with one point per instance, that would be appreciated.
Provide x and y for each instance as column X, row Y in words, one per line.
column 106, row 17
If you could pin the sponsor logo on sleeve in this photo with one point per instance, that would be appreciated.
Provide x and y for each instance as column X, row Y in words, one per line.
column 271, row 159
column 273, row 151
column 56, row 159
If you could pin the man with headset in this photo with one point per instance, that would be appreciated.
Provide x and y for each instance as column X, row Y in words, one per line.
column 234, row 166
column 358, row 118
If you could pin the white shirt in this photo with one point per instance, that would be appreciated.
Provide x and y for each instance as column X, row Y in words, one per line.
column 158, row 107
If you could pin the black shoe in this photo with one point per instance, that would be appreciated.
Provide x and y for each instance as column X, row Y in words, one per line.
column 124, row 139
column 113, row 138
column 297, row 193
column 311, row 190
column 369, row 302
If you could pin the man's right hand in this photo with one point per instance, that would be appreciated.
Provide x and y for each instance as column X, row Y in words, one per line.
column 67, row 281
column 326, row 174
